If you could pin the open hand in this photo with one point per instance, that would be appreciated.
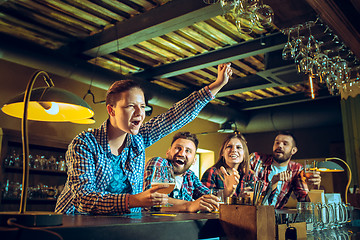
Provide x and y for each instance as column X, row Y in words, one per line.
column 230, row 181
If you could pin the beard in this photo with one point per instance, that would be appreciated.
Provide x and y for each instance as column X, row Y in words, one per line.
column 180, row 165
column 285, row 157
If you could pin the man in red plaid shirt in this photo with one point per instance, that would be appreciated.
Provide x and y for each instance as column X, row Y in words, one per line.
column 281, row 176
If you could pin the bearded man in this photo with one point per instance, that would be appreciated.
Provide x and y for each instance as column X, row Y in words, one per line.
column 189, row 194
column 280, row 175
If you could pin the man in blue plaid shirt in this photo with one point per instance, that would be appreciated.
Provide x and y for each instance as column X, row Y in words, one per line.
column 106, row 165
column 189, row 194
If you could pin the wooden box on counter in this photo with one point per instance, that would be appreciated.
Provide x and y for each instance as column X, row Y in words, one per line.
column 248, row 222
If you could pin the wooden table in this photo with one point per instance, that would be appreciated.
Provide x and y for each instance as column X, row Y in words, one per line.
column 133, row 226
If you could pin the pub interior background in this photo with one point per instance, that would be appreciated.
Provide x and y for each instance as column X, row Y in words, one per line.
column 317, row 124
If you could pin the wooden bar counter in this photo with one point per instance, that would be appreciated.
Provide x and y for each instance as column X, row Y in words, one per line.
column 157, row 226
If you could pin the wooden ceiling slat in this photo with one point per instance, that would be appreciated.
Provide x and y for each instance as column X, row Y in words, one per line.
column 247, row 69
column 111, row 65
column 28, row 35
column 275, row 91
column 166, row 56
column 169, row 46
column 122, row 63
column 54, row 19
column 128, row 52
column 194, row 34
column 265, row 93
column 138, row 65
column 194, row 41
column 168, row 83
column 196, row 78
column 237, row 71
column 182, row 43
column 255, row 61
column 148, row 53
column 113, row 6
column 146, row 5
column 205, row 74
column 75, row 12
column 36, row 29
column 207, row 31
column 97, row 10
column 230, row 27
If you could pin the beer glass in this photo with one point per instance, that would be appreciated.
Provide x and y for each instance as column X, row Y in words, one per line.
column 163, row 176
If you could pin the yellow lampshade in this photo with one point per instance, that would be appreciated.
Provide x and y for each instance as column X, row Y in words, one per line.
column 84, row 121
column 51, row 105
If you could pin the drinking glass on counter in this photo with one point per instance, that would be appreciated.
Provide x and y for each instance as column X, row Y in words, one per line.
column 306, row 214
column 218, row 192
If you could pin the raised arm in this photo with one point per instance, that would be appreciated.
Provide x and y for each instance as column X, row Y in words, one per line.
column 224, row 73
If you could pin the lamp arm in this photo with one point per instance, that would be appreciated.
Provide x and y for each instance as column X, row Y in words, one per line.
column 25, row 138
column 350, row 175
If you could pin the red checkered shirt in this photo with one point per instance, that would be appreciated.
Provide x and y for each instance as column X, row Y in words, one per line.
column 261, row 165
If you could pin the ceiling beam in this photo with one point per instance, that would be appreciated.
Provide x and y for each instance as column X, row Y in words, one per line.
column 242, row 50
column 158, row 21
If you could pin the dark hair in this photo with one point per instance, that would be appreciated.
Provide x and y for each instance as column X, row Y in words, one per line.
column 245, row 164
column 186, row 135
column 119, row 87
column 287, row 133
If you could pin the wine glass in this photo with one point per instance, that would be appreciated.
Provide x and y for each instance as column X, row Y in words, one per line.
column 287, row 52
column 264, row 15
column 245, row 22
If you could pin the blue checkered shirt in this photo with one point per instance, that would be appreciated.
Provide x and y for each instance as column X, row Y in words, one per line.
column 90, row 162
column 191, row 189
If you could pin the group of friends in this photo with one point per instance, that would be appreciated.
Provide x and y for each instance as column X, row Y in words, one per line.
column 106, row 166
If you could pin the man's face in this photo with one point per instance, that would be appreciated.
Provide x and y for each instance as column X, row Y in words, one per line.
column 182, row 155
column 129, row 111
column 283, row 148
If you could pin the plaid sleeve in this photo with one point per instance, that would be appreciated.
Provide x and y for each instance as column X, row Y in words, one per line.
column 208, row 178
column 180, row 114
column 84, row 192
column 199, row 188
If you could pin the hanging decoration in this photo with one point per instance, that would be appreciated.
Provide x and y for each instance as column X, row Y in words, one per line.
column 248, row 14
column 323, row 58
